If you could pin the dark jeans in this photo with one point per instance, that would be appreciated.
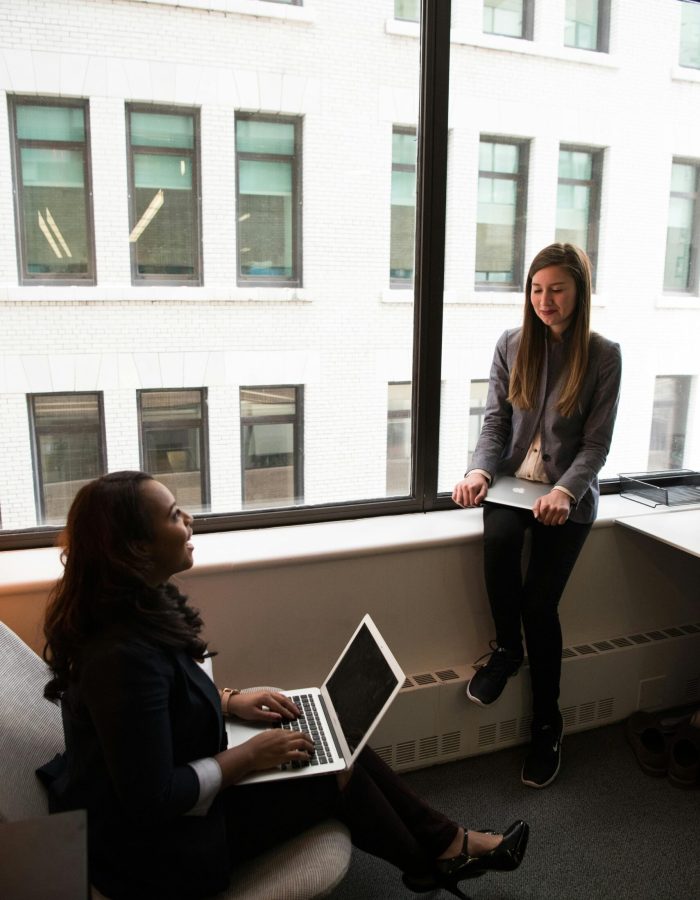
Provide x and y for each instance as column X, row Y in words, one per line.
column 533, row 600
column 384, row 816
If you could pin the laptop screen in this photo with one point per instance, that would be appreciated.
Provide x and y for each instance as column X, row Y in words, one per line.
column 360, row 685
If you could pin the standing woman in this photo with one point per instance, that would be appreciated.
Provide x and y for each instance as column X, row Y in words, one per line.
column 145, row 740
column 551, row 407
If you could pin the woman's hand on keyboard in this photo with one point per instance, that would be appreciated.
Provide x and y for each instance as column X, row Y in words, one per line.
column 277, row 747
column 263, row 706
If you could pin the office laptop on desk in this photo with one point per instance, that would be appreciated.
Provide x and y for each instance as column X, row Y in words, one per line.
column 341, row 714
column 510, row 491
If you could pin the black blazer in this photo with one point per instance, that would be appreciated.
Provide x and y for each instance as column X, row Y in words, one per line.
column 133, row 720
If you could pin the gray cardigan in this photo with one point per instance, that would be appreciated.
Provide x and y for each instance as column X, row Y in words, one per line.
column 574, row 448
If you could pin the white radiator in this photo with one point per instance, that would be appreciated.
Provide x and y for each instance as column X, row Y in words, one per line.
column 431, row 720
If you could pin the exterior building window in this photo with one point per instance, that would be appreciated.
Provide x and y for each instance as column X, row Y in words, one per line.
column 578, row 200
column 164, row 204
column 268, row 155
column 512, row 18
column 174, row 443
column 398, row 439
column 500, row 229
column 53, row 196
column 587, row 24
column 680, row 271
column 403, row 206
column 272, row 446
column 68, row 446
column 477, row 408
column 408, row 10
column 689, row 54
column 669, row 422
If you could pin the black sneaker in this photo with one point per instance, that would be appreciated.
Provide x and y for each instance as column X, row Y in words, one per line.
column 491, row 677
column 543, row 759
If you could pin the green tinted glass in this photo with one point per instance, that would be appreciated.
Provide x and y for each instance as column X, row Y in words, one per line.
column 162, row 130
column 254, row 136
column 50, row 123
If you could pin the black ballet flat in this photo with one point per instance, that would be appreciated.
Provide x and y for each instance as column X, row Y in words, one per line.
column 506, row 857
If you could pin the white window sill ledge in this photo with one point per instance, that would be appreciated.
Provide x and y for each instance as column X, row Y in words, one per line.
column 678, row 301
column 27, row 571
column 128, row 293
column 685, row 73
column 260, row 8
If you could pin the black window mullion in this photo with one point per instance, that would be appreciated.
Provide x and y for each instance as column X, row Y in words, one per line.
column 431, row 174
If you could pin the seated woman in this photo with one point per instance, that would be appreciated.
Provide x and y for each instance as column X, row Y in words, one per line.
column 145, row 743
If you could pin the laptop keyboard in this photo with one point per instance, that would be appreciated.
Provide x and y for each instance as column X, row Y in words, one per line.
column 308, row 721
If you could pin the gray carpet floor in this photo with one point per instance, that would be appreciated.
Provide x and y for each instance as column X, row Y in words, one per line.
column 602, row 830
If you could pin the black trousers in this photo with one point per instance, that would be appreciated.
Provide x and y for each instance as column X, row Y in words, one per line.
column 384, row 816
column 534, row 599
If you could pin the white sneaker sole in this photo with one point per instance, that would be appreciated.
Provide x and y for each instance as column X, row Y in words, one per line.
column 534, row 784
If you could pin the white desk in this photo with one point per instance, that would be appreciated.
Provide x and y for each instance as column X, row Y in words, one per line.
column 678, row 528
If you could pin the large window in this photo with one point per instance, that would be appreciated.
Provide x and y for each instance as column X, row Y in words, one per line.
column 53, row 205
column 586, row 24
column 680, row 272
column 578, row 199
column 69, row 449
column 398, row 439
column 272, row 446
column 174, row 443
column 268, row 153
column 512, row 18
column 669, row 422
column 689, row 52
column 164, row 216
column 403, row 206
column 500, row 220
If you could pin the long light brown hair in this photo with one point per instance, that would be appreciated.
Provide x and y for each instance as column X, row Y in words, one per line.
column 530, row 358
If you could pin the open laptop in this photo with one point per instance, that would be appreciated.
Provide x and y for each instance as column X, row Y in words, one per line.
column 347, row 707
column 510, row 491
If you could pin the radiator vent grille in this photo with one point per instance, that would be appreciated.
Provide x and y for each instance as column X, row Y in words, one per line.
column 428, row 747
column 630, row 640
column 451, row 743
column 487, row 735
column 407, row 684
column 386, row 754
column 405, row 753
column 427, row 678
column 605, row 708
column 447, row 675
column 692, row 689
column 507, row 730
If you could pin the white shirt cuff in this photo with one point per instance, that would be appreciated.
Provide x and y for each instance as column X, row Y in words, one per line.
column 558, row 487
column 208, row 773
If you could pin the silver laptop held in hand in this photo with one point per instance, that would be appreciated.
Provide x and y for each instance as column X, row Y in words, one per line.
column 341, row 715
column 510, row 491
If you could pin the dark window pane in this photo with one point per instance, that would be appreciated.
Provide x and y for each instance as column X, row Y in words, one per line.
column 270, row 446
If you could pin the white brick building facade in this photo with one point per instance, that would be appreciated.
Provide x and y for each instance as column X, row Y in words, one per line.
column 349, row 71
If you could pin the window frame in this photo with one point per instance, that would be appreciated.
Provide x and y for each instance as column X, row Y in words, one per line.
column 296, row 421
column 197, row 279
column 34, row 433
column 296, row 279
column 521, row 179
column 24, row 277
column 603, row 31
column 528, row 27
column 595, row 184
column 202, row 423
column 693, row 278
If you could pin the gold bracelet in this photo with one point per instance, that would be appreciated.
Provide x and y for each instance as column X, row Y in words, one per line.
column 226, row 695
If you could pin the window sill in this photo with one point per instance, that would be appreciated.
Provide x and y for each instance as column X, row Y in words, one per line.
column 166, row 293
column 535, row 48
column 27, row 571
column 500, row 298
column 685, row 73
column 397, row 295
column 678, row 301
column 259, row 8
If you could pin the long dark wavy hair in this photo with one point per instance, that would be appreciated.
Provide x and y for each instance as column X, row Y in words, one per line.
column 529, row 360
column 104, row 582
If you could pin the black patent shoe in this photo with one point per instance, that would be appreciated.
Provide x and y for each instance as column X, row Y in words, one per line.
column 449, row 872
